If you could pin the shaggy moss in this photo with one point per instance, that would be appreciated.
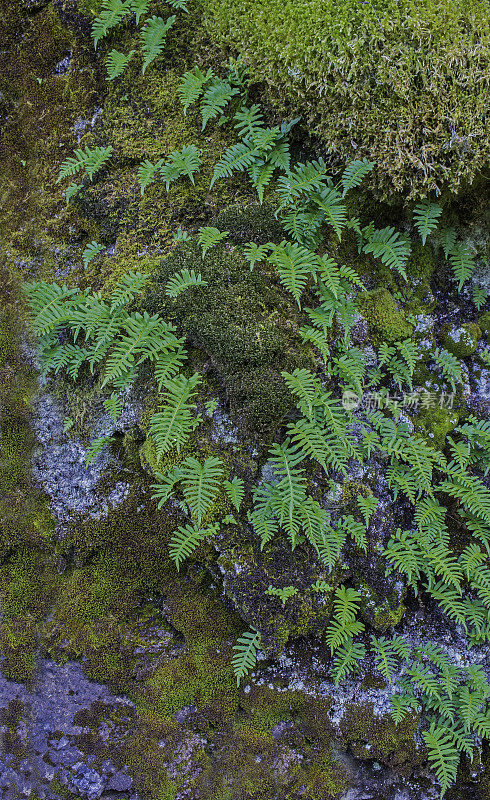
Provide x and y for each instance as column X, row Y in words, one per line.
column 372, row 737
column 484, row 322
column 387, row 321
column 404, row 81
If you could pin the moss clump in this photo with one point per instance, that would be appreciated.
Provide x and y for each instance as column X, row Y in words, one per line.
column 243, row 323
column 484, row 322
column 380, row 613
column 372, row 737
column 434, row 424
column 387, row 321
column 462, row 341
column 406, row 79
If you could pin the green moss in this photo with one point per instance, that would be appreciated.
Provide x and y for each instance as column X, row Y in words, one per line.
column 387, row 321
column 462, row 341
column 399, row 85
column 484, row 322
column 326, row 779
column 380, row 612
column 434, row 424
column 378, row 738
column 243, row 323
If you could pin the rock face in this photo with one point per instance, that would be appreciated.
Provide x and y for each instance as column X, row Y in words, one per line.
column 43, row 729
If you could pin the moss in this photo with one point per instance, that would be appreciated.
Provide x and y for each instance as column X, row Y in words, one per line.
column 463, row 340
column 378, row 738
column 387, row 321
column 434, row 424
column 326, row 779
column 244, row 323
column 380, row 612
column 399, row 85
column 484, row 322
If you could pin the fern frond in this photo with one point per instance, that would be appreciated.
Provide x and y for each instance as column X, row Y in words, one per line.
column 426, row 218
column 89, row 253
column 401, row 705
column 235, row 489
column 295, row 264
column 354, row 173
column 183, row 280
column 139, row 7
column 303, row 179
column 182, row 162
column 153, row 36
column 208, row 237
column 245, row 656
column 116, row 63
column 334, row 211
column 347, row 659
column 236, row 158
column 146, row 172
column 95, row 447
column 48, row 306
column 200, row 484
column 126, row 289
column 462, row 263
column 112, row 13
column 114, row 405
column 388, row 245
column 256, row 252
column 168, row 364
column 385, row 658
column 172, row 426
column 367, row 506
column 191, row 86
column 97, row 157
column 145, row 337
column 443, row 755
column 248, row 121
column 215, row 99
column 184, row 541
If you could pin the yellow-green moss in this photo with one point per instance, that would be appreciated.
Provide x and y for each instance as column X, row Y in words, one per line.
column 462, row 341
column 434, row 424
column 387, row 321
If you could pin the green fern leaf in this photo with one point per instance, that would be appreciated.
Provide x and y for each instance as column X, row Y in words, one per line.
column 443, row 755
column 462, row 263
column 171, row 427
column 146, row 172
column 255, row 252
column 91, row 250
column 215, row 99
column 200, row 484
column 112, row 13
column 153, row 37
column 96, row 446
column 127, row 287
column 145, row 337
column 139, row 7
column 245, row 657
column 183, row 280
column 235, row 489
column 295, row 264
column 236, row 158
column 426, row 217
column 347, row 658
column 182, row 162
column 303, row 179
column 354, row 173
column 184, row 541
column 116, row 63
column 192, row 85
column 208, row 237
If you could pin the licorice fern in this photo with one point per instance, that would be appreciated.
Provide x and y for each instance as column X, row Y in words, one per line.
column 153, row 37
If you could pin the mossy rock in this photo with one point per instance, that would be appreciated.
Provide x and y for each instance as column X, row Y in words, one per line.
column 371, row 737
column 484, row 322
column 434, row 424
column 380, row 612
column 463, row 340
column 387, row 321
column 242, row 323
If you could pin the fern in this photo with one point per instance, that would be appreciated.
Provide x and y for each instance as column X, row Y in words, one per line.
column 344, row 625
column 116, row 63
column 334, row 211
column 90, row 252
column 236, row 158
column 48, row 305
column 346, row 660
column 443, row 755
column 306, row 387
column 367, row 506
column 303, row 179
column 254, row 252
column 295, row 264
column 448, row 239
column 139, row 7
column 208, row 237
column 127, row 287
column 192, row 85
column 283, row 594
column 153, row 38
column 146, row 172
column 168, row 364
column 387, row 245
column 90, row 160
column 249, row 121
column 72, row 191
column 426, row 217
column 184, row 541
column 480, row 295
column 183, row 280
column 95, row 448
column 114, row 405
column 245, row 657
column 112, row 13
column 354, row 173
column 171, row 427
column 462, row 263
column 351, row 369
column 200, row 484
column 385, row 657
column 401, row 705
column 145, row 337
column 235, row 490
column 215, row 99
column 182, row 162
